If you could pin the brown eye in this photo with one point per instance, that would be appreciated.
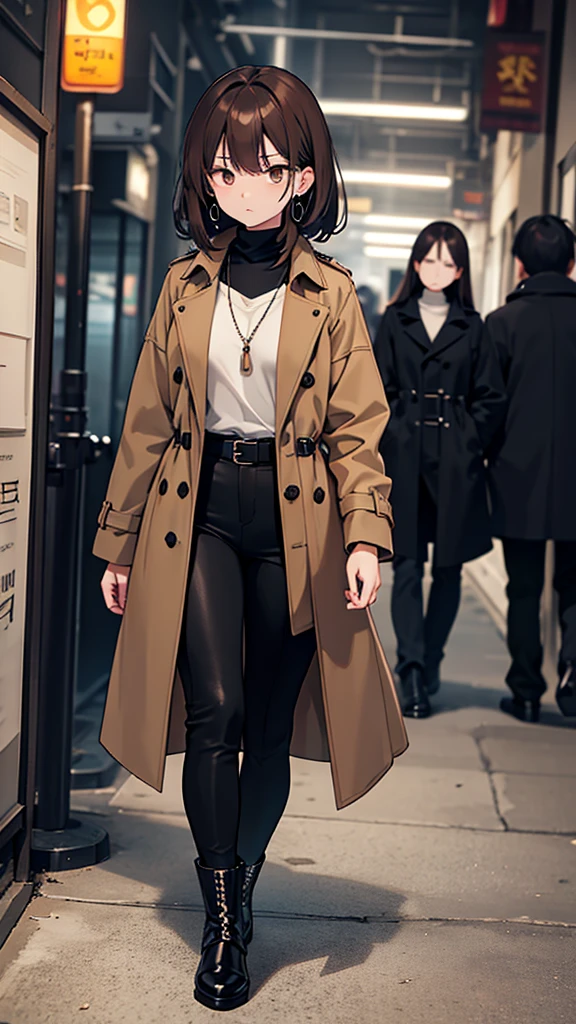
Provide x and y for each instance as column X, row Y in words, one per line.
column 228, row 177
column 276, row 174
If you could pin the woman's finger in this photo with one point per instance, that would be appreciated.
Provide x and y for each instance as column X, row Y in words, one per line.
column 351, row 571
column 121, row 588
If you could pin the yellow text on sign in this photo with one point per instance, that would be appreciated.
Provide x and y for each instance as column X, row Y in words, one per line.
column 94, row 42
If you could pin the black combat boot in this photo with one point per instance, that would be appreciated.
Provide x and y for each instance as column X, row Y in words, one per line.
column 251, row 872
column 415, row 703
column 222, row 981
column 566, row 690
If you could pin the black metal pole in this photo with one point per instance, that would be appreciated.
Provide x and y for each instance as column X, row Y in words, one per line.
column 59, row 842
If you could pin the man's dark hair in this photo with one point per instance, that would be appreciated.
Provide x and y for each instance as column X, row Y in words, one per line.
column 544, row 243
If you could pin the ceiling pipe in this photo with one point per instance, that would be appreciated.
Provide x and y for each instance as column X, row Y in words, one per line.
column 232, row 28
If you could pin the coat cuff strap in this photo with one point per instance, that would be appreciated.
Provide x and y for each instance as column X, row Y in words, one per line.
column 368, row 501
column 128, row 522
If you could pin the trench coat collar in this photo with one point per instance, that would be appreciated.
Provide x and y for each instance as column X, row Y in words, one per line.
column 303, row 317
column 207, row 266
column 456, row 325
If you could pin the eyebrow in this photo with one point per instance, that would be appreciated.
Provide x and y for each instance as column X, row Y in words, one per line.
column 273, row 160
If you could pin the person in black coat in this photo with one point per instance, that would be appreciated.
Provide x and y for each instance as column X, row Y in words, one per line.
column 446, row 396
column 532, row 474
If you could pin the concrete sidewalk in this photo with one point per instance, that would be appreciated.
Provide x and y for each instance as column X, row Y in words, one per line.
column 446, row 896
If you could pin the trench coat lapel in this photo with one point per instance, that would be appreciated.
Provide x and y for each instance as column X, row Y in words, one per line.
column 409, row 316
column 303, row 317
column 193, row 314
column 455, row 328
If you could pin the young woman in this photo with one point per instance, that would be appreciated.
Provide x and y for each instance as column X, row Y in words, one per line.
column 446, row 396
column 247, row 490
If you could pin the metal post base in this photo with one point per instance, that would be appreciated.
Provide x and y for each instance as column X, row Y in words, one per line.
column 78, row 845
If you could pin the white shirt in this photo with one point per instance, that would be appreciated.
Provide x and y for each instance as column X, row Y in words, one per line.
column 245, row 406
column 434, row 309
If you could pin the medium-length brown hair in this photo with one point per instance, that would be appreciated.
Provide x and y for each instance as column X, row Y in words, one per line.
column 243, row 106
column 434, row 234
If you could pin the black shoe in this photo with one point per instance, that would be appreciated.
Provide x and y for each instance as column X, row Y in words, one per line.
column 525, row 710
column 566, row 691
column 250, row 877
column 432, row 679
column 415, row 703
column 222, row 981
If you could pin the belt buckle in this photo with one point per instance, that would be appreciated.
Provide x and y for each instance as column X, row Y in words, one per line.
column 237, row 454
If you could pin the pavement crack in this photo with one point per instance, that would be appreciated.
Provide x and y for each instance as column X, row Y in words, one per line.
column 487, row 767
column 369, row 919
column 112, row 812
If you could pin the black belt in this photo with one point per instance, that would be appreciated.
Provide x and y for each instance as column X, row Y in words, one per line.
column 256, row 452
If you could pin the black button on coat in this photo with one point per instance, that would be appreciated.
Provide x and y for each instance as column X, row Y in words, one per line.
column 450, row 460
column 532, row 471
column 292, row 492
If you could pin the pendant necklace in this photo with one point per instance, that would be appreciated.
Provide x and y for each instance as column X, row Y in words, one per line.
column 246, row 366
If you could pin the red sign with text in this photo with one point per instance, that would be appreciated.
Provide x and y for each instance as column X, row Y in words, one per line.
column 513, row 90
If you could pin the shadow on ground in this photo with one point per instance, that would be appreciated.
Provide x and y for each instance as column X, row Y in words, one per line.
column 173, row 878
column 455, row 695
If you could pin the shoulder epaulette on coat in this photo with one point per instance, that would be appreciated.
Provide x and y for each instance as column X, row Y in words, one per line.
column 185, row 256
column 324, row 258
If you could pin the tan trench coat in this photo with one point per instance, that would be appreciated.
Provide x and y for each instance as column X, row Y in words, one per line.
column 347, row 712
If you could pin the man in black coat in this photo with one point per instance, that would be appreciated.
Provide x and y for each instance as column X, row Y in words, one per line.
column 532, row 474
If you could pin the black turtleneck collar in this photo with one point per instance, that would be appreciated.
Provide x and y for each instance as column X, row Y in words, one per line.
column 252, row 256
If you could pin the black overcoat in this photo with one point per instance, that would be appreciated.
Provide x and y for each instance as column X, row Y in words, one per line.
column 461, row 368
column 532, row 472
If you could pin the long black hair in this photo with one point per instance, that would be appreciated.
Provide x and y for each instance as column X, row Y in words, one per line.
column 434, row 234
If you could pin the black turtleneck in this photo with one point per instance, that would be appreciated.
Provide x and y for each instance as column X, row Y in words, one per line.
column 252, row 257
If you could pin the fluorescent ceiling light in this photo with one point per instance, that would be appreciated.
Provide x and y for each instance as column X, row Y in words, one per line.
column 387, row 252
column 388, row 220
column 388, row 238
column 409, row 111
column 354, row 177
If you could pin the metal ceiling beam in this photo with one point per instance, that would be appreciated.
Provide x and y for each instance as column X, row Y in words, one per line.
column 232, row 28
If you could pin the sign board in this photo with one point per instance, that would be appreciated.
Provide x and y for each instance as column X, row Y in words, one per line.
column 19, row 181
column 94, row 42
column 470, row 200
column 513, row 91
column 113, row 126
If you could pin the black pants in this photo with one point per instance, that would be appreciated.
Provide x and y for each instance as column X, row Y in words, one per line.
column 420, row 637
column 241, row 667
column 525, row 567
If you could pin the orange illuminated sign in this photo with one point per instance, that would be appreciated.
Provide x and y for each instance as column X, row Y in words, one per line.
column 94, row 37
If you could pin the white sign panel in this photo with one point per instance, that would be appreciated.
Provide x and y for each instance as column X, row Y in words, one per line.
column 19, row 176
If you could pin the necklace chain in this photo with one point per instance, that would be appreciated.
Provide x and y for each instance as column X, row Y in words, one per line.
column 246, row 366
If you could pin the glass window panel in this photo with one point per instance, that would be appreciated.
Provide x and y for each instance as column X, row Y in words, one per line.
column 130, row 333
column 104, row 244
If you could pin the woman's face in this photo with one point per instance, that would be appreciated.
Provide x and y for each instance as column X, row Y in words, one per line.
column 257, row 200
column 437, row 270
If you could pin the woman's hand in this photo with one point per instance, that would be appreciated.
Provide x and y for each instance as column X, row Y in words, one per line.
column 114, row 583
column 362, row 565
